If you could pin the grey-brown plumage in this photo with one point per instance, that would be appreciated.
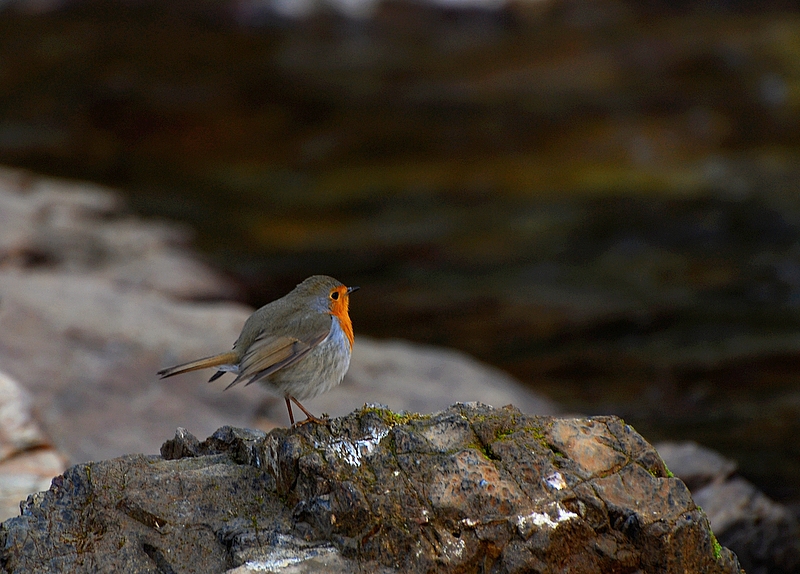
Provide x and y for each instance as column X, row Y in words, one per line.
column 298, row 346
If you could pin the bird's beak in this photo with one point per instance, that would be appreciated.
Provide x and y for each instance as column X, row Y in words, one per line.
column 351, row 289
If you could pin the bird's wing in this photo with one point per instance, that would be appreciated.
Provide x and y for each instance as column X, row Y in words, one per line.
column 270, row 353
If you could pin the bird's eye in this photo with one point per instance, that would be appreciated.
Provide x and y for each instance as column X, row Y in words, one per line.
column 335, row 295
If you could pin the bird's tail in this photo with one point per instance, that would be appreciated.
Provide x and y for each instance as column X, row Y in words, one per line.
column 228, row 358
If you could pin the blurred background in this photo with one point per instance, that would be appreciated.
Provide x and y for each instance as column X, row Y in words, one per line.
column 600, row 197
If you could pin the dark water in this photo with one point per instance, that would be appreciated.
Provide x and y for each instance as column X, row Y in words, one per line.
column 600, row 198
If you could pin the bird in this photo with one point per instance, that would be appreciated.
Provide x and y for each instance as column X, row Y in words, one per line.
column 298, row 346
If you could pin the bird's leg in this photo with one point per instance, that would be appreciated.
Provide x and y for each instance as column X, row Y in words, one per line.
column 311, row 418
column 289, row 408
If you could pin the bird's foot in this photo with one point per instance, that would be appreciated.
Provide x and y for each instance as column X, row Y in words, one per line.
column 312, row 419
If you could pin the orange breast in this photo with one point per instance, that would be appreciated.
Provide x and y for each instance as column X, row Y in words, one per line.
column 339, row 309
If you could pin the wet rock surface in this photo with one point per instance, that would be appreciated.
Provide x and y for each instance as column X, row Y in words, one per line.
column 470, row 488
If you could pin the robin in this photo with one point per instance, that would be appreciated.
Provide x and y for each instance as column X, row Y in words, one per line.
column 298, row 345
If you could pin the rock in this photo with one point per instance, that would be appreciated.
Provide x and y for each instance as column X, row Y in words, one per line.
column 18, row 429
column 83, row 228
column 764, row 535
column 27, row 458
column 89, row 313
column 88, row 348
column 470, row 488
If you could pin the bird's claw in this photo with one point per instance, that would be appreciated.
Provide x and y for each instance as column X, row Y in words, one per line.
column 312, row 419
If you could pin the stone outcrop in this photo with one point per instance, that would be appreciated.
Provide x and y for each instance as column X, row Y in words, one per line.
column 469, row 489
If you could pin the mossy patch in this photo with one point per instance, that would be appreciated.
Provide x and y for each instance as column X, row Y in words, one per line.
column 504, row 433
column 391, row 418
column 717, row 547
column 536, row 432
column 485, row 450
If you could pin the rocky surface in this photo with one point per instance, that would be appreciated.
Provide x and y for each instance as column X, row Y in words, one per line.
column 468, row 489
column 764, row 535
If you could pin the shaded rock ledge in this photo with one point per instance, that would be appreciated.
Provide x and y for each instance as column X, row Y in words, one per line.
column 468, row 489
